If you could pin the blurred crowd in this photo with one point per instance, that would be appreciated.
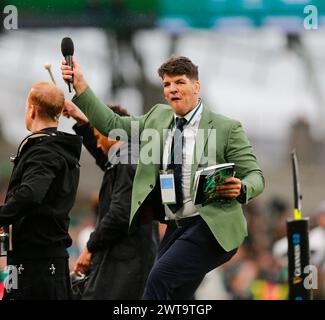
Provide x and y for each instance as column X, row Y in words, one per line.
column 259, row 269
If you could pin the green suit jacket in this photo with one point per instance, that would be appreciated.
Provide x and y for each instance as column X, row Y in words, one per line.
column 222, row 140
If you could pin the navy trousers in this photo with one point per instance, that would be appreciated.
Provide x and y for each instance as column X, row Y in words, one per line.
column 184, row 257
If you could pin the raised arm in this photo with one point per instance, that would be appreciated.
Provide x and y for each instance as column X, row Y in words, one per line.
column 84, row 129
column 101, row 117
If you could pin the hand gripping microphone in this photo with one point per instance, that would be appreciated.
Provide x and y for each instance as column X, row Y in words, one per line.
column 67, row 50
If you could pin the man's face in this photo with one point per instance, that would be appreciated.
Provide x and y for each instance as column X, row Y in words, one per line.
column 102, row 141
column 181, row 93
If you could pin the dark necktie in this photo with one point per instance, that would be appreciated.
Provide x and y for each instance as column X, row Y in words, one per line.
column 176, row 163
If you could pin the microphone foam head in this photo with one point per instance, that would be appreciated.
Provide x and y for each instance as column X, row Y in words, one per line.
column 67, row 47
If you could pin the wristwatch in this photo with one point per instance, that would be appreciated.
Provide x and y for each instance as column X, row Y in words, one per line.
column 243, row 192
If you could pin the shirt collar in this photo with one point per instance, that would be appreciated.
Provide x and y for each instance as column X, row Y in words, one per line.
column 189, row 115
column 50, row 130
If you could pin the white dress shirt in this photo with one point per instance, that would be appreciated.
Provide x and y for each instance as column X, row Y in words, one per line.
column 189, row 134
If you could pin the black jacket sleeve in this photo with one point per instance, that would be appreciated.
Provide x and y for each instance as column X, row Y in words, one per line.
column 115, row 223
column 39, row 170
column 90, row 142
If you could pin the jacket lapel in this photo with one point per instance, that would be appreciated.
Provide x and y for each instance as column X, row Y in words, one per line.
column 164, row 125
column 163, row 130
column 206, row 124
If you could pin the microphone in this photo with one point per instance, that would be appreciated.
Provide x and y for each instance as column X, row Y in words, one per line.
column 67, row 50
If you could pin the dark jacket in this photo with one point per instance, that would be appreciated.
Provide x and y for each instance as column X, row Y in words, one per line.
column 41, row 192
column 120, row 262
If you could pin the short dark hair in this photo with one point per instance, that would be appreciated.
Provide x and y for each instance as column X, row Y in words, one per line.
column 119, row 110
column 179, row 65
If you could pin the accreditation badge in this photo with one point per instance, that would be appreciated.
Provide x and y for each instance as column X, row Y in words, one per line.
column 167, row 187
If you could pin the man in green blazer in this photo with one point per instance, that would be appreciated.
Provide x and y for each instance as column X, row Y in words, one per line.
column 176, row 140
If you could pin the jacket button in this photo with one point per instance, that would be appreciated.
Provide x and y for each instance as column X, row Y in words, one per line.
column 151, row 186
column 139, row 202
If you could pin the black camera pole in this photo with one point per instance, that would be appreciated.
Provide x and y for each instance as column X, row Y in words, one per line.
column 298, row 244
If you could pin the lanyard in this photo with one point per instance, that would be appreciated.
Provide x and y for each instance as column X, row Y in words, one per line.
column 170, row 155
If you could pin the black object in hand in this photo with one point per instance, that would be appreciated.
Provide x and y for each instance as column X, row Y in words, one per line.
column 67, row 50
